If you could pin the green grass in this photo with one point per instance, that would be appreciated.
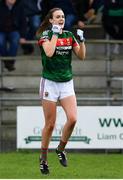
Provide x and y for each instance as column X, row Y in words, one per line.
column 25, row 165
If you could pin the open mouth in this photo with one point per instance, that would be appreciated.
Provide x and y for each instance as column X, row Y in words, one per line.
column 61, row 24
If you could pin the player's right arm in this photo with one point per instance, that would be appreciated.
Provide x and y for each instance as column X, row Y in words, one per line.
column 49, row 45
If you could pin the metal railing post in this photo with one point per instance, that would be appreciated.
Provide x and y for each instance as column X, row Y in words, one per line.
column 108, row 69
column 119, row 79
column 1, row 103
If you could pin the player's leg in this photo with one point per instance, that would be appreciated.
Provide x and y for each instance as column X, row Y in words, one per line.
column 49, row 109
column 70, row 107
column 49, row 98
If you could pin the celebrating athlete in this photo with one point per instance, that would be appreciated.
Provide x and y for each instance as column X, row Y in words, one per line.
column 56, row 83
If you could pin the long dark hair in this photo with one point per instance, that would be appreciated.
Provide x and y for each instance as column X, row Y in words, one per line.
column 45, row 24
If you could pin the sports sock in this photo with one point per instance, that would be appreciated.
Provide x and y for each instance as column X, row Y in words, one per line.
column 44, row 154
column 61, row 145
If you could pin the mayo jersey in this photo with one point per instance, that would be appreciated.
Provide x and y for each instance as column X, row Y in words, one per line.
column 58, row 67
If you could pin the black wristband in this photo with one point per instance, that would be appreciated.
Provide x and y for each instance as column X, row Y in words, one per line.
column 83, row 40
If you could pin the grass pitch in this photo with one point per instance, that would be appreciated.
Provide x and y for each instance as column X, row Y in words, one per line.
column 25, row 165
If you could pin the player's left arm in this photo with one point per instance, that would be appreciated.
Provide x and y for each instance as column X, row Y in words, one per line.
column 80, row 48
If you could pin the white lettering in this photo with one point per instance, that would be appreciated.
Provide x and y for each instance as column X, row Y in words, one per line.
column 62, row 53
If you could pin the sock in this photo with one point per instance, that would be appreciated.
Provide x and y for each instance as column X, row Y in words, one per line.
column 44, row 154
column 61, row 145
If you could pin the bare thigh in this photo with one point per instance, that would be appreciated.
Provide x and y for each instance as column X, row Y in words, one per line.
column 49, row 109
column 70, row 107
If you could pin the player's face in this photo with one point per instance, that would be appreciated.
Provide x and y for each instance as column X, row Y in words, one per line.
column 58, row 18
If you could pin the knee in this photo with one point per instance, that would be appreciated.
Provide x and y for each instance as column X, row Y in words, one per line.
column 50, row 126
column 72, row 121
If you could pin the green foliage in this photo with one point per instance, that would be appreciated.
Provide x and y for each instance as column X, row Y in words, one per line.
column 25, row 165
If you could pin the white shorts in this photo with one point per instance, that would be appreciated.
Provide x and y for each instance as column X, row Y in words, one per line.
column 54, row 91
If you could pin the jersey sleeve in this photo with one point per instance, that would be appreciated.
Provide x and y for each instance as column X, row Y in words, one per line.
column 75, row 42
column 43, row 38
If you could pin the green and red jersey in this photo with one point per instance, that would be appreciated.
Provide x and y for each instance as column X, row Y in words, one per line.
column 58, row 67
